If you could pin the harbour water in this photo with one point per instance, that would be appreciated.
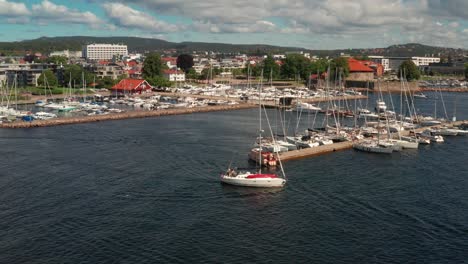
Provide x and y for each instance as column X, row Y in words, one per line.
column 147, row 191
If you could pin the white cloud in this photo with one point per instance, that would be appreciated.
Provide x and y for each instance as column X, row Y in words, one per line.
column 260, row 26
column 47, row 12
column 12, row 9
column 125, row 16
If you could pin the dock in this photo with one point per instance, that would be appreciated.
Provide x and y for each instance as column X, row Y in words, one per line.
column 326, row 149
column 310, row 152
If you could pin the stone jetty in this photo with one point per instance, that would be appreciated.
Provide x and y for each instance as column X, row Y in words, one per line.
column 120, row 116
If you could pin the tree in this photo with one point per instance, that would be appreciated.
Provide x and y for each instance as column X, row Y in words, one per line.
column 362, row 58
column 270, row 68
column 409, row 70
column 339, row 66
column 192, row 74
column 47, row 78
column 73, row 74
column 296, row 64
column 106, row 82
column 57, row 60
column 466, row 70
column 153, row 66
column 159, row 81
column 185, row 62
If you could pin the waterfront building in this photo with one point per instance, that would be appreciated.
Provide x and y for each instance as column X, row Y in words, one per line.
column 26, row 74
column 104, row 51
column 361, row 70
column 131, row 86
column 174, row 75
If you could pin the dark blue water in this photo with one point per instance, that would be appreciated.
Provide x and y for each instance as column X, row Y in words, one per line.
column 147, row 191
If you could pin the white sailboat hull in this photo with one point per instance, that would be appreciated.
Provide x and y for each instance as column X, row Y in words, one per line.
column 406, row 144
column 373, row 149
column 257, row 183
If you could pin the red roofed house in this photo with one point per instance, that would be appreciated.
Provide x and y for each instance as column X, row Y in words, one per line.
column 358, row 71
column 171, row 62
column 174, row 75
column 131, row 86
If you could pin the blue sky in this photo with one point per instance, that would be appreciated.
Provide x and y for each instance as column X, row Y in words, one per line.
column 313, row 24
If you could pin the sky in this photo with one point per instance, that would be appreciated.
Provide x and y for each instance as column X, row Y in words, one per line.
column 311, row 24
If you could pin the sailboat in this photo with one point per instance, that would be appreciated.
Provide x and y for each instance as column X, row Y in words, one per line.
column 257, row 178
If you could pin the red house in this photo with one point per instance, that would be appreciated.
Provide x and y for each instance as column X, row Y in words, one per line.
column 131, row 86
column 358, row 71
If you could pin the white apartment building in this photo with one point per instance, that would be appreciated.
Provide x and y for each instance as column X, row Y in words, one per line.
column 104, row 51
column 393, row 63
column 424, row 61
column 174, row 75
column 382, row 60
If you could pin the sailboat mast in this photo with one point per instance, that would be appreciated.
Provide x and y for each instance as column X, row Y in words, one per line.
column 260, row 122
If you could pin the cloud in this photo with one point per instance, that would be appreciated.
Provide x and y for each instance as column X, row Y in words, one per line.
column 260, row 26
column 12, row 9
column 127, row 17
column 47, row 12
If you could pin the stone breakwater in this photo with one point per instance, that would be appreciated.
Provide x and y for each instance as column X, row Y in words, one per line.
column 120, row 116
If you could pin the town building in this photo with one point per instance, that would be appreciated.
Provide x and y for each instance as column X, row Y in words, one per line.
column 25, row 74
column 131, row 86
column 67, row 53
column 104, row 51
column 385, row 62
column 393, row 63
column 451, row 68
column 359, row 71
column 171, row 62
column 174, row 75
column 104, row 69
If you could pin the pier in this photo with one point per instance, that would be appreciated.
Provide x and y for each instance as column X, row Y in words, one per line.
column 121, row 116
column 316, row 151
column 326, row 149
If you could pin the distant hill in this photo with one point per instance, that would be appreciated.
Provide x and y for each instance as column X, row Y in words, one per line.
column 403, row 50
column 46, row 45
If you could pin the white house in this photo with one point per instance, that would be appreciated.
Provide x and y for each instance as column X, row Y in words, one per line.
column 174, row 75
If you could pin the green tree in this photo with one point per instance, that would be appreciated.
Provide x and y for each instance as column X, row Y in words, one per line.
column 270, row 68
column 106, row 82
column 296, row 65
column 153, row 66
column 192, row 74
column 255, row 70
column 362, row 58
column 185, row 62
column 339, row 68
column 319, row 66
column 409, row 70
column 159, row 81
column 57, row 60
column 74, row 74
column 47, row 78
column 466, row 70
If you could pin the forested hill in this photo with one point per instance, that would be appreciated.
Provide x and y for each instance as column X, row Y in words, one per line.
column 135, row 44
